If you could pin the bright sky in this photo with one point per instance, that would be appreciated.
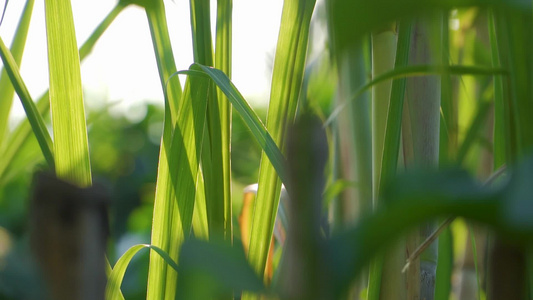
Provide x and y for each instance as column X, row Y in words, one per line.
column 122, row 66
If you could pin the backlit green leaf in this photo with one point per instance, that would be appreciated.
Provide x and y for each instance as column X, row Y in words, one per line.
column 66, row 96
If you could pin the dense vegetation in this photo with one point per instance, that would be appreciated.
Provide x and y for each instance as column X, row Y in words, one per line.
column 413, row 124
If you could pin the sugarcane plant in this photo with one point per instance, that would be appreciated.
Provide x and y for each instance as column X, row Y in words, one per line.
column 373, row 181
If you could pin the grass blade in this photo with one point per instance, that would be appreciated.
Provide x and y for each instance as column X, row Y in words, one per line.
column 20, row 135
column 499, row 144
column 217, row 184
column 66, row 97
column 287, row 79
column 447, row 150
column 394, row 116
column 251, row 119
column 449, row 107
column 176, row 186
column 164, row 57
column 116, row 275
column 199, row 218
column 391, row 143
column 383, row 55
column 17, row 49
column 383, row 60
column 514, row 38
column 223, row 53
column 34, row 117
column 165, row 202
column 416, row 71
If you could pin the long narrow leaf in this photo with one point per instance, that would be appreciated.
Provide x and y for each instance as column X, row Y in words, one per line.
column 447, row 150
column 20, row 135
column 394, row 117
column 34, row 117
column 176, row 186
column 163, row 234
column 392, row 139
column 513, row 37
column 216, row 182
column 248, row 115
column 66, row 96
column 384, row 44
column 499, row 149
column 116, row 276
column 199, row 217
column 17, row 48
column 419, row 70
column 163, row 53
column 287, row 80
column 223, row 55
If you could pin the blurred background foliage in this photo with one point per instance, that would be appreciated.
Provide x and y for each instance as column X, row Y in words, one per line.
column 124, row 152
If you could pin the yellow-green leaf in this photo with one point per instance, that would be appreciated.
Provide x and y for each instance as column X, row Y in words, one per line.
column 66, row 97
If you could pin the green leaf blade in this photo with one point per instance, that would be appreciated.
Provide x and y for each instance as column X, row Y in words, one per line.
column 287, row 78
column 223, row 53
column 66, row 96
column 19, row 137
column 165, row 195
column 116, row 275
column 17, row 48
column 251, row 119
column 176, row 185
column 34, row 117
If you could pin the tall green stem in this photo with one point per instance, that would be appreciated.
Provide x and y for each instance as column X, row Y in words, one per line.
column 423, row 98
column 383, row 55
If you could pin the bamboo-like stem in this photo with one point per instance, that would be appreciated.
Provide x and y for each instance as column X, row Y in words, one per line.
column 352, row 74
column 383, row 58
column 355, row 126
column 423, row 98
